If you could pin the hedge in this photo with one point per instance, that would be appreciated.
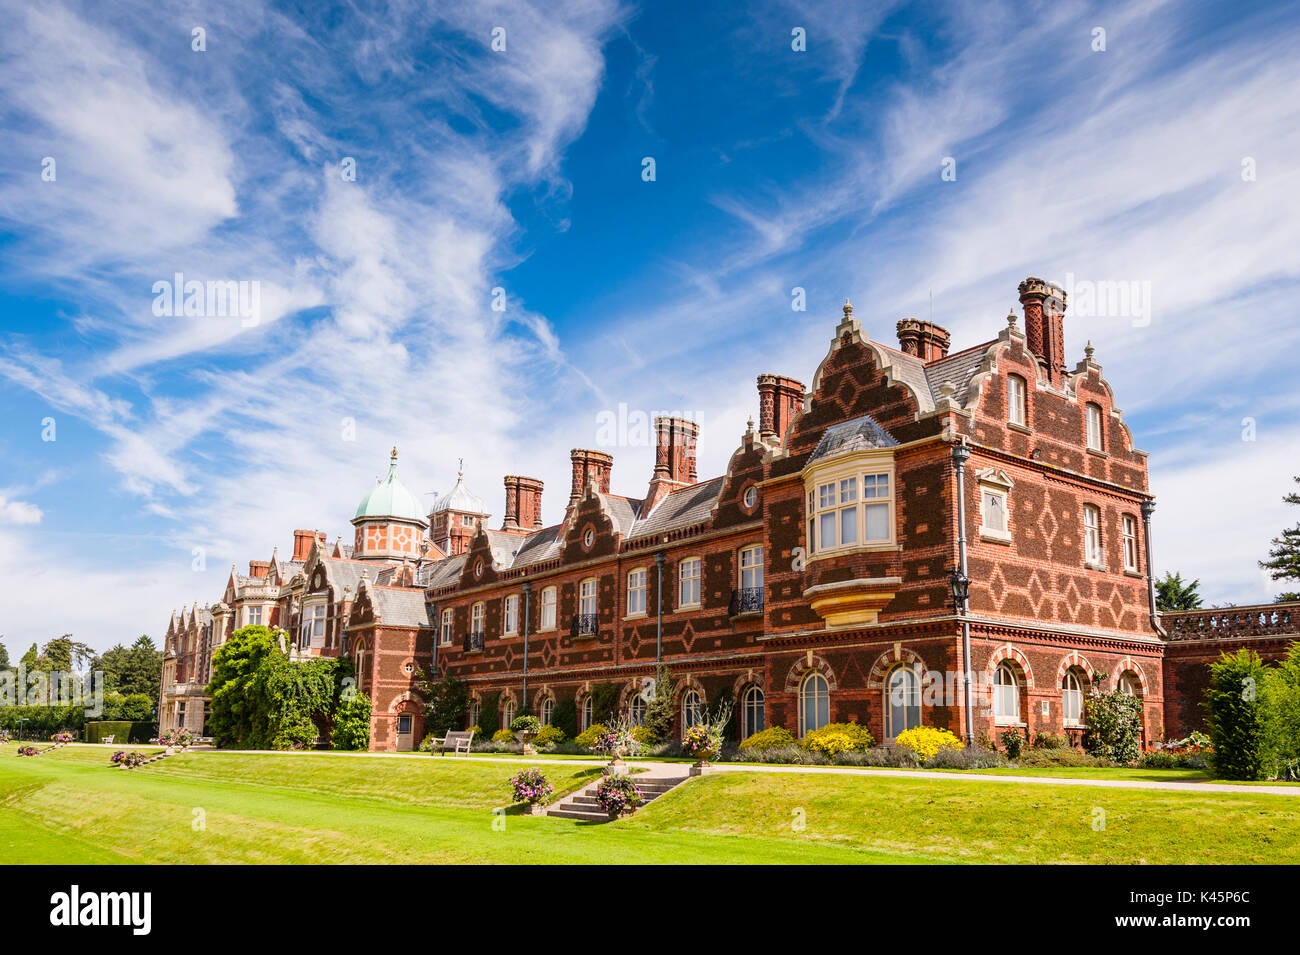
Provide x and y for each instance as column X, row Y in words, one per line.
column 120, row 730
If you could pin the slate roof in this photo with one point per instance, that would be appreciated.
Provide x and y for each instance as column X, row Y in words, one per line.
column 959, row 369
column 399, row 606
column 622, row 510
column 681, row 508
column 443, row 573
column 859, row 434
column 539, row 546
column 347, row 573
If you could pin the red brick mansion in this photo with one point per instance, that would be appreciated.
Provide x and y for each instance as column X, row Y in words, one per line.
column 920, row 537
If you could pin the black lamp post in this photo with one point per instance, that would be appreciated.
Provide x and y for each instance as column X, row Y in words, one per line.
column 959, row 583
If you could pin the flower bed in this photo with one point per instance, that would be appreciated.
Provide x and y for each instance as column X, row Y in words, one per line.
column 177, row 737
column 28, row 751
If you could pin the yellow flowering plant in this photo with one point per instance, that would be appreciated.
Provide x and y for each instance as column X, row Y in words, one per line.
column 927, row 741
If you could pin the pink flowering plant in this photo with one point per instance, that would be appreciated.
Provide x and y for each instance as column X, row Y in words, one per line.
column 27, row 751
column 177, row 737
column 617, row 794
column 62, row 737
column 129, row 760
column 531, row 786
column 702, row 742
column 617, row 742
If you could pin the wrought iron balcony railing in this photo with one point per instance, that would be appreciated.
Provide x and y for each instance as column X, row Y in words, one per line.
column 746, row 600
column 584, row 625
column 474, row 640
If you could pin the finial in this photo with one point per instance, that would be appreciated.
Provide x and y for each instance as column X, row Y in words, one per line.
column 394, row 455
column 750, row 424
column 1011, row 318
column 460, row 468
column 1088, row 350
column 848, row 308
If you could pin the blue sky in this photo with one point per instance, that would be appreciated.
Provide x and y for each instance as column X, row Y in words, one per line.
column 522, row 170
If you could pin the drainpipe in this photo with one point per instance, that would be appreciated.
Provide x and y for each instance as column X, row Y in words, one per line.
column 960, row 454
column 528, row 593
column 659, row 613
column 1148, row 506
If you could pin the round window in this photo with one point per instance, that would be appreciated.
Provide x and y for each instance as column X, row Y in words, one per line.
column 478, row 568
column 589, row 538
column 751, row 496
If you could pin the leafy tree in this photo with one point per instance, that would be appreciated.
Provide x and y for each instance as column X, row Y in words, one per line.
column 134, row 669
column 66, row 654
column 1238, row 729
column 4, row 659
column 1173, row 594
column 448, row 707
column 1287, row 596
column 1284, row 557
column 352, row 723
column 660, row 711
column 32, row 661
column 234, row 666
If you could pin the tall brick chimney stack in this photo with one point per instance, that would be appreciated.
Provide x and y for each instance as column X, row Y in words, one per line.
column 1044, row 304
column 302, row 541
column 259, row 569
column 595, row 465
column 675, row 440
column 523, row 504
column 926, row 340
column 779, row 400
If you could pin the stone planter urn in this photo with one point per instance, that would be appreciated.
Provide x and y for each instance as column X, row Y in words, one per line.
column 526, row 740
column 536, row 809
column 617, row 767
column 170, row 750
column 700, row 768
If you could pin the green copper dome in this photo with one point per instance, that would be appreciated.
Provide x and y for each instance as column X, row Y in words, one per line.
column 390, row 498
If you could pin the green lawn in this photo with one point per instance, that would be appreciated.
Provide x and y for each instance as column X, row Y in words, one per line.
column 69, row 806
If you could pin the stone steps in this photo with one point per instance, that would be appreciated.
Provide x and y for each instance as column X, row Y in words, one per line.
column 583, row 806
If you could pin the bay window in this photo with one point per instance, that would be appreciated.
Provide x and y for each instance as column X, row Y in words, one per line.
column 847, row 510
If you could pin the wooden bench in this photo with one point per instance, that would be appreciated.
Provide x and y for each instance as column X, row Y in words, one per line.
column 458, row 741
column 108, row 739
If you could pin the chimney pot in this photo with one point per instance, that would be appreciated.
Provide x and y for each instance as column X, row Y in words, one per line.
column 1044, row 304
column 779, row 400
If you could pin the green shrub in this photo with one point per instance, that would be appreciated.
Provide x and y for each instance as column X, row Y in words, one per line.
column 565, row 717
column 120, row 730
column 604, row 703
column 1282, row 714
column 660, row 711
column 644, row 738
column 1238, row 729
column 549, row 735
column 448, row 707
column 587, row 738
column 1012, row 742
column 1114, row 726
column 352, row 723
column 1050, row 741
column 1065, row 756
column 835, row 738
column 769, row 738
column 503, row 736
column 489, row 718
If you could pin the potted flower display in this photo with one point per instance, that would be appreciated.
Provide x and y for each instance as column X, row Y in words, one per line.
column 526, row 729
column 27, row 751
column 175, row 739
column 125, row 760
column 531, row 786
column 61, row 739
column 616, row 743
column 617, row 795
